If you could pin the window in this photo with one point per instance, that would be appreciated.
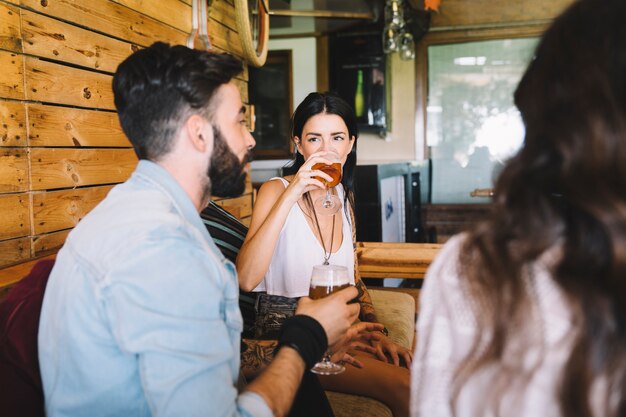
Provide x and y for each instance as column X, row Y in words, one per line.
column 472, row 125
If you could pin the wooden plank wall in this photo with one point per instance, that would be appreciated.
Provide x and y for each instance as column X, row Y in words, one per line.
column 458, row 14
column 61, row 147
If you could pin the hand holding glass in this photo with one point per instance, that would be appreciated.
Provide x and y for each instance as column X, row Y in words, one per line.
column 325, row 280
column 330, row 203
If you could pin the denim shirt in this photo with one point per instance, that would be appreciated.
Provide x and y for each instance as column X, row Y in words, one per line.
column 140, row 315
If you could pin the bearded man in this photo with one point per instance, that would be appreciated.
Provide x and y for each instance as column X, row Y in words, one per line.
column 140, row 315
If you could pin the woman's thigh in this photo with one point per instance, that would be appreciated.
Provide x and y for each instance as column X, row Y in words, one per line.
column 377, row 379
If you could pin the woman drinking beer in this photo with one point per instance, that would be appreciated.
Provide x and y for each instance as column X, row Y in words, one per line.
column 291, row 232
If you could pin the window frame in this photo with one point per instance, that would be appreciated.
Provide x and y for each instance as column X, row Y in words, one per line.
column 443, row 37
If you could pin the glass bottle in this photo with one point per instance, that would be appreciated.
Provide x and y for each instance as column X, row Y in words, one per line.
column 359, row 102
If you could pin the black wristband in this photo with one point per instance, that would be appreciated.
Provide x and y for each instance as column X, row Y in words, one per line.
column 306, row 336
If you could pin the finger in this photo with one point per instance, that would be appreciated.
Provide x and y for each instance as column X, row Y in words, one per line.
column 393, row 352
column 320, row 173
column 408, row 359
column 353, row 312
column 381, row 355
column 373, row 337
column 365, row 337
column 347, row 358
column 318, row 158
column 363, row 347
column 313, row 183
column 342, row 345
column 311, row 178
column 364, row 326
column 346, row 294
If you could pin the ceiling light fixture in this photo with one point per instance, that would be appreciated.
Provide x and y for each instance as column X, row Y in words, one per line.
column 396, row 36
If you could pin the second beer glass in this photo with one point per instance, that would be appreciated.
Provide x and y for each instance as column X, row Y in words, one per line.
column 325, row 280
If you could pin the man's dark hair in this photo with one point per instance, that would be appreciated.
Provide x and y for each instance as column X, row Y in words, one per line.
column 158, row 87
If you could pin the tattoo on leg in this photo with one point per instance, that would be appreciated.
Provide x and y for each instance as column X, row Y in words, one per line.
column 367, row 308
column 256, row 355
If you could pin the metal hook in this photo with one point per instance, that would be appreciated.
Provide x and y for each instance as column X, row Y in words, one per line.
column 199, row 25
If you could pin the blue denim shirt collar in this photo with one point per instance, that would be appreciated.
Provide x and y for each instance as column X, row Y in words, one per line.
column 155, row 173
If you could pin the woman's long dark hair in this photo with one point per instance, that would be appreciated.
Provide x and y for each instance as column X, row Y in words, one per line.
column 326, row 103
column 565, row 189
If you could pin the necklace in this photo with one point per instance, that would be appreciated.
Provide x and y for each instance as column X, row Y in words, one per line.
column 328, row 254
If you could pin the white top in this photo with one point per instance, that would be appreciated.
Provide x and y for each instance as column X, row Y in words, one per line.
column 445, row 332
column 298, row 250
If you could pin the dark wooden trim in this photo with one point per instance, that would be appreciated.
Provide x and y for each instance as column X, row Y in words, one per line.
column 327, row 14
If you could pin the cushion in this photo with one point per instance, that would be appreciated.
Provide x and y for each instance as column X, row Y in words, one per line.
column 396, row 310
column 228, row 233
column 350, row 405
column 22, row 393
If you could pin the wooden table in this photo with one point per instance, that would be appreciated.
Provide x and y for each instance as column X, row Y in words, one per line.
column 395, row 260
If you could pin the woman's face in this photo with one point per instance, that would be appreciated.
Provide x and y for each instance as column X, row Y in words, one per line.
column 325, row 132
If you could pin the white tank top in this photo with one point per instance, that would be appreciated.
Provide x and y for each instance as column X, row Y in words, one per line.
column 298, row 250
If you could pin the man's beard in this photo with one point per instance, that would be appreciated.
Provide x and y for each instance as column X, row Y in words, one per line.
column 226, row 174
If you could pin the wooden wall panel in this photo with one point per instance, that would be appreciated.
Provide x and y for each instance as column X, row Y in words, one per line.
column 223, row 13
column 14, row 216
column 13, row 170
column 13, row 124
column 64, row 126
column 459, row 13
column 10, row 28
column 12, row 80
column 174, row 13
column 61, row 146
column 110, row 18
column 64, row 168
column 56, row 83
column 238, row 207
column 243, row 89
column 14, row 250
column 51, row 242
column 58, row 210
column 224, row 38
column 50, row 38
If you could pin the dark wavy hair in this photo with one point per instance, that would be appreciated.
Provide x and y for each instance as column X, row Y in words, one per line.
column 326, row 103
column 565, row 189
column 157, row 87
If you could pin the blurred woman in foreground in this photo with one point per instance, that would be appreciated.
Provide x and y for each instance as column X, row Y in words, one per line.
column 526, row 314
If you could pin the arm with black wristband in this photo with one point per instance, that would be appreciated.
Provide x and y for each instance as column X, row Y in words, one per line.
column 304, row 338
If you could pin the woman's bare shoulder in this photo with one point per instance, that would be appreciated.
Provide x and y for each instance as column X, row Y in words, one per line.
column 271, row 189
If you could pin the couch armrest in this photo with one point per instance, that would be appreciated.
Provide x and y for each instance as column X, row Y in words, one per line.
column 396, row 310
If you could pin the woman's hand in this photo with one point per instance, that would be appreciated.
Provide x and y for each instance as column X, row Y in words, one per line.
column 388, row 351
column 358, row 337
column 305, row 179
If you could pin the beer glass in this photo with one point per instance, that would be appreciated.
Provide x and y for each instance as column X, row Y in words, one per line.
column 330, row 203
column 325, row 280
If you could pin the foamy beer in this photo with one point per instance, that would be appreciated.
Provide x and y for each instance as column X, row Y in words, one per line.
column 327, row 279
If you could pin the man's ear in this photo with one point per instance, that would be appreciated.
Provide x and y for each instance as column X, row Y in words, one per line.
column 199, row 133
